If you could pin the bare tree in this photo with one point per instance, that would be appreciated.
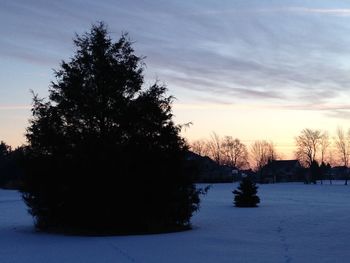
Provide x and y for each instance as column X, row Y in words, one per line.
column 324, row 145
column 342, row 146
column 234, row 152
column 199, row 147
column 308, row 143
column 214, row 148
column 261, row 153
column 331, row 158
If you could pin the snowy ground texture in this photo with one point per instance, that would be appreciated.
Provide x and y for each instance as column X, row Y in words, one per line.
column 294, row 223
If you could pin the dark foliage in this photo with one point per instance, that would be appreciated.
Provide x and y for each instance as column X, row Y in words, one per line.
column 246, row 194
column 104, row 155
column 315, row 172
column 326, row 172
column 5, row 160
column 323, row 171
column 205, row 170
column 10, row 166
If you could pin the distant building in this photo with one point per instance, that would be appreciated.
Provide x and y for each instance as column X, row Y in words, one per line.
column 206, row 170
column 282, row 171
column 339, row 172
column 245, row 173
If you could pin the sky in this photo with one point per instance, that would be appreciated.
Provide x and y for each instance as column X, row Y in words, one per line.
column 252, row 69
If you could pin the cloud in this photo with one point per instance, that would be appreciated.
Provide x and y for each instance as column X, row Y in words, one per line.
column 339, row 114
column 235, row 52
column 339, row 111
column 253, row 57
column 325, row 11
column 263, row 10
column 14, row 107
column 299, row 107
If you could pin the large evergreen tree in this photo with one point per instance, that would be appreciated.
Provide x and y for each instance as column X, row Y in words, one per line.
column 104, row 154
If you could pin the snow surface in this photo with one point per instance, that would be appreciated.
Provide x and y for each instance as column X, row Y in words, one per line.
column 294, row 223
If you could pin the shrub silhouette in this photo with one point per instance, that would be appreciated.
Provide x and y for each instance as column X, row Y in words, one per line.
column 245, row 195
column 104, row 155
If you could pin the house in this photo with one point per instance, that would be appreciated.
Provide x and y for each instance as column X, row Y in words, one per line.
column 239, row 174
column 206, row 170
column 339, row 172
column 282, row 171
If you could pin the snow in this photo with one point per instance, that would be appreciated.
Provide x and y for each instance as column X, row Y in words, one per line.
column 294, row 223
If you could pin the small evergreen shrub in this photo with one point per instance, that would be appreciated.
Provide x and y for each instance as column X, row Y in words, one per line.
column 245, row 195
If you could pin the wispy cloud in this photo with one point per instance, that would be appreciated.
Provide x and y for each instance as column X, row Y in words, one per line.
column 339, row 114
column 14, row 107
column 302, row 107
column 235, row 52
column 339, row 111
column 325, row 11
column 270, row 10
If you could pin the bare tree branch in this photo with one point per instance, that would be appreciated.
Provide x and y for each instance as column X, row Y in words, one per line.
column 308, row 144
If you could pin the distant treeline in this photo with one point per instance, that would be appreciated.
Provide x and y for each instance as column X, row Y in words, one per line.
column 311, row 145
column 10, row 166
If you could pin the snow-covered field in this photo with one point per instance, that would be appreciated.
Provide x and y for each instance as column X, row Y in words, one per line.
column 294, row 223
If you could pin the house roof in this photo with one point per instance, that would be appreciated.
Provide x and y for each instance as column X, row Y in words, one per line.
column 283, row 164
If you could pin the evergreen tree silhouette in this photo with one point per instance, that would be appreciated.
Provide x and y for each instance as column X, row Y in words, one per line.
column 104, row 155
column 315, row 172
column 246, row 194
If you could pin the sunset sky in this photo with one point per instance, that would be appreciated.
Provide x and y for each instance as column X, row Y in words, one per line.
column 250, row 69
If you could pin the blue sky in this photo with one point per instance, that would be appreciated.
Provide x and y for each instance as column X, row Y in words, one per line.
column 251, row 69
